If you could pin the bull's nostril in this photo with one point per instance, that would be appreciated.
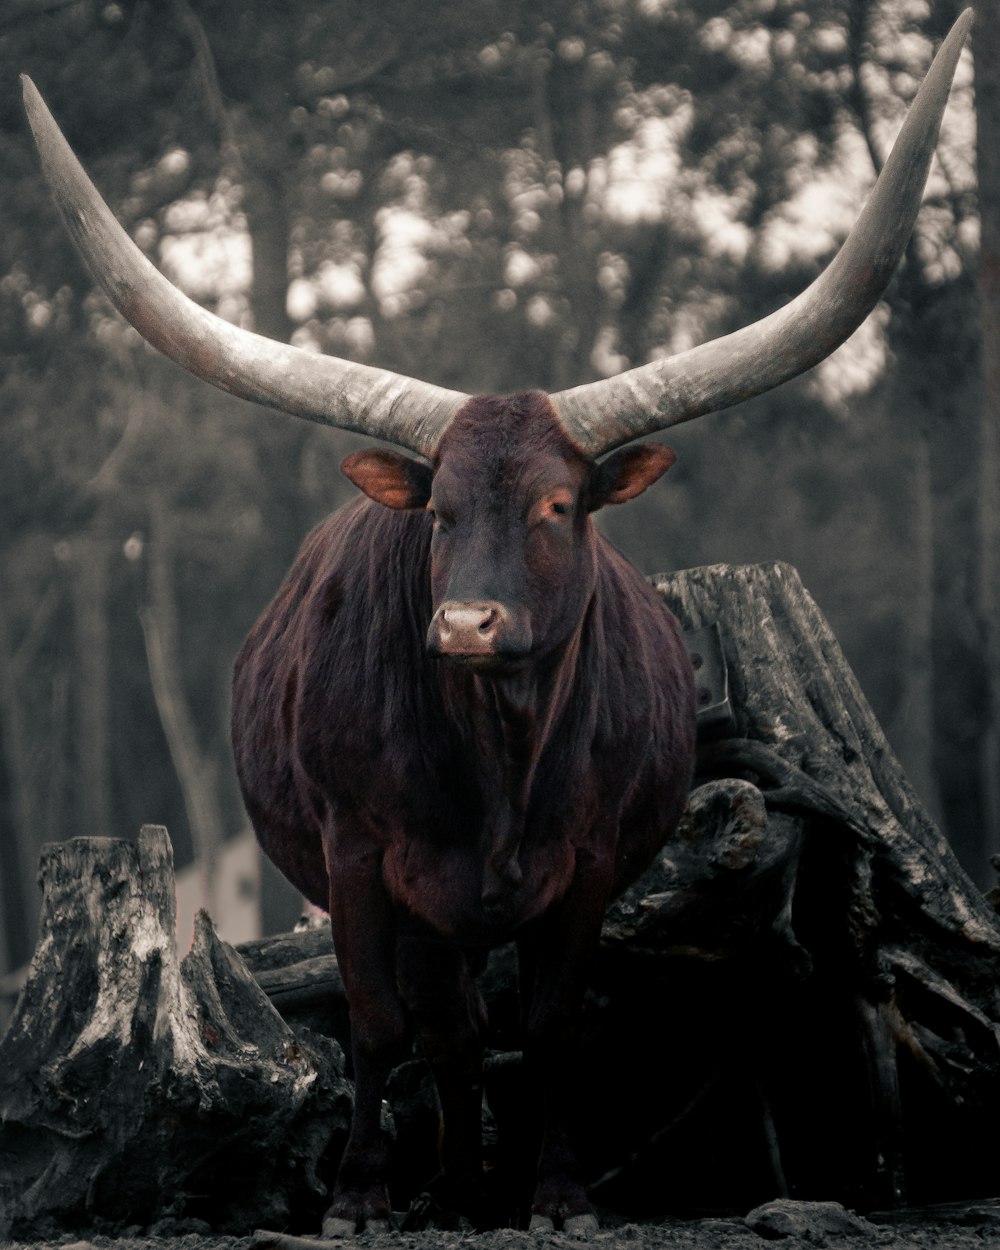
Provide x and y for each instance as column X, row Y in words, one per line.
column 471, row 630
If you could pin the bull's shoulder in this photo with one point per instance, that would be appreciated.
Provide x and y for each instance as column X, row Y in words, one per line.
column 630, row 609
column 354, row 566
column 353, row 604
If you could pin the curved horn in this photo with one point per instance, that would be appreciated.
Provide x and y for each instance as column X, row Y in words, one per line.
column 600, row 416
column 342, row 393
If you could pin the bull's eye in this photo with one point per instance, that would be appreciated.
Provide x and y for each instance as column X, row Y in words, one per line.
column 551, row 508
column 442, row 522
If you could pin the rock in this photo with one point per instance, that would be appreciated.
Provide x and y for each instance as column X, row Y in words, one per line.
column 812, row 1221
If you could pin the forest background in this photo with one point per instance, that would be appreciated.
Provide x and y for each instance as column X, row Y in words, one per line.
column 492, row 195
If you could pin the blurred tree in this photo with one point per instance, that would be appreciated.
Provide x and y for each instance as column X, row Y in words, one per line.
column 490, row 197
column 986, row 51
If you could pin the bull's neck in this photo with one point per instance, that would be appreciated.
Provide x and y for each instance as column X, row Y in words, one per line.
column 512, row 720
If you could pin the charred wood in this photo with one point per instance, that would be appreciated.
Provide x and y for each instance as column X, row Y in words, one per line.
column 135, row 1086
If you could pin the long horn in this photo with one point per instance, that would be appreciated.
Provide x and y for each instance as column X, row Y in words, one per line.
column 600, row 416
column 335, row 392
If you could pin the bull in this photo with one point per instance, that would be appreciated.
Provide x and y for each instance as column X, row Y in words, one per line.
column 465, row 719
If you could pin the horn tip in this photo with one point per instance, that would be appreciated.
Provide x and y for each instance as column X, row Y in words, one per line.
column 962, row 23
column 34, row 105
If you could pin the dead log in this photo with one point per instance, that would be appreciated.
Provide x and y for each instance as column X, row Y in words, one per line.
column 134, row 1087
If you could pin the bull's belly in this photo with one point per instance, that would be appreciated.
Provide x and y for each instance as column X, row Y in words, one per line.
column 443, row 887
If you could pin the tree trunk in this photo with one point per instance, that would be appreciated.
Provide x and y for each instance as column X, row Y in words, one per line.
column 196, row 772
column 14, row 879
column 91, row 559
column 136, row 1088
column 934, row 384
column 986, row 54
column 265, row 153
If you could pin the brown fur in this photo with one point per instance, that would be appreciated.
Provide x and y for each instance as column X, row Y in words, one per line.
column 424, row 801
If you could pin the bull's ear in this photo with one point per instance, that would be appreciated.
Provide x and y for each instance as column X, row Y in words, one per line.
column 390, row 479
column 626, row 473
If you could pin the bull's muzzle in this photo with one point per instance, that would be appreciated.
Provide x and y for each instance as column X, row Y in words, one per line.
column 482, row 631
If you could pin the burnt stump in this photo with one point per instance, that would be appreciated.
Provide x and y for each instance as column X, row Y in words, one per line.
column 136, row 1087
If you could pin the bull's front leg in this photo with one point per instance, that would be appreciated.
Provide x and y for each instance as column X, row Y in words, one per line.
column 554, row 961
column 364, row 937
column 444, row 1002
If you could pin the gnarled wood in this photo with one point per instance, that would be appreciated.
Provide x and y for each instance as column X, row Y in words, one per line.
column 134, row 1086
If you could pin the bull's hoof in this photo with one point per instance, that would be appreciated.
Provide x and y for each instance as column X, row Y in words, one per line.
column 582, row 1224
column 336, row 1226
column 351, row 1213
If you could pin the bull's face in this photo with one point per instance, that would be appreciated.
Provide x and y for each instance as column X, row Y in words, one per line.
column 512, row 552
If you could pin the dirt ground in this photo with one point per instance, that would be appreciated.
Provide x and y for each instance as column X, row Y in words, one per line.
column 794, row 1226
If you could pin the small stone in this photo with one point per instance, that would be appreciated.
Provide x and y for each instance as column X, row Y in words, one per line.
column 165, row 1227
column 812, row 1221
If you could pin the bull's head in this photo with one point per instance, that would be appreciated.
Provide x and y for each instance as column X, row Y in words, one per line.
column 512, row 556
column 480, row 603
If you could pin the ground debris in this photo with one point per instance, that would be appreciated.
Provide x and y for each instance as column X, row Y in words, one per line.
column 913, row 1231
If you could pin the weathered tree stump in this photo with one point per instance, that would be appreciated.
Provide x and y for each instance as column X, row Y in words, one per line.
column 842, row 1035
column 134, row 1087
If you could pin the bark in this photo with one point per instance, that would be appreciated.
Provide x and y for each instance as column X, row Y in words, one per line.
column 134, row 1087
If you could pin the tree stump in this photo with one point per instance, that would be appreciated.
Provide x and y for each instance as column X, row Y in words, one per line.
column 134, row 1087
column 840, row 1039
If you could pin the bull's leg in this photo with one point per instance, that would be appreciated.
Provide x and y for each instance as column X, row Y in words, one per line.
column 364, row 936
column 554, row 960
column 438, row 988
